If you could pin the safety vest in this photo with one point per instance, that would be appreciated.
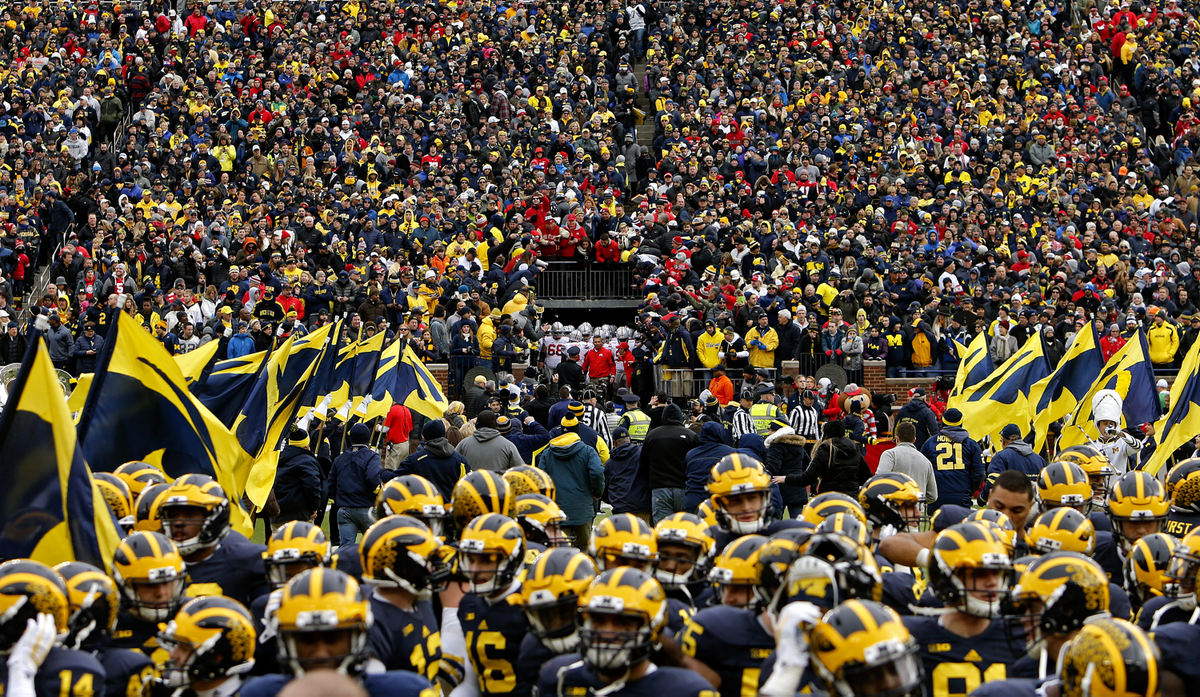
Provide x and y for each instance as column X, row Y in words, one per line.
column 762, row 414
column 638, row 425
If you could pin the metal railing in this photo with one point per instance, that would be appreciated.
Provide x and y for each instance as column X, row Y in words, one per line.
column 567, row 280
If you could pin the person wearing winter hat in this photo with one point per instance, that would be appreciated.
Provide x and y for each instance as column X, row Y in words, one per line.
column 298, row 489
column 486, row 448
column 436, row 460
column 355, row 476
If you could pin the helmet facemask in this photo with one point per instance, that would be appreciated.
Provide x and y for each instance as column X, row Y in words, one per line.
column 166, row 597
column 744, row 513
column 195, row 528
column 552, row 620
column 677, row 555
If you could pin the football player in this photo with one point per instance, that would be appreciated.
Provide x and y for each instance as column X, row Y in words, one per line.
column 1067, row 530
column 740, row 488
column 623, row 540
column 1111, row 642
column 95, row 603
column 119, row 498
column 727, row 643
column 323, row 623
column 195, row 515
column 862, row 648
column 965, row 645
column 1053, row 598
column 1179, row 591
column 541, row 520
column 294, row 547
column 1065, row 483
column 34, row 610
column 1183, row 489
column 211, row 642
column 398, row 554
column 1146, row 578
column 1098, row 471
column 685, row 552
column 491, row 551
column 409, row 495
column 550, row 596
column 621, row 621
column 149, row 573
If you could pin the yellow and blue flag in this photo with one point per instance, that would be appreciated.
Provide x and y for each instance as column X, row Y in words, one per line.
column 1056, row 396
column 229, row 384
column 1003, row 397
column 139, row 408
column 50, row 510
column 193, row 363
column 974, row 366
column 383, row 388
column 1182, row 422
column 417, row 388
column 1130, row 373
column 354, row 372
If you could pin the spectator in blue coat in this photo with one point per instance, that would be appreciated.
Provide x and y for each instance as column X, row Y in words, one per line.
column 436, row 460
column 87, row 349
column 700, row 461
column 531, row 436
column 626, row 482
column 1016, row 454
column 240, row 344
column 355, row 476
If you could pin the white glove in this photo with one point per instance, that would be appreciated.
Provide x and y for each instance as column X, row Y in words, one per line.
column 721, row 355
column 29, row 653
column 886, row 532
column 270, row 620
column 791, row 632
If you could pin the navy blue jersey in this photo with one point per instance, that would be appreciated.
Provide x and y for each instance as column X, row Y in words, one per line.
column 678, row 612
column 493, row 633
column 347, row 559
column 1108, row 556
column 64, row 672
column 533, row 656
column 724, row 537
column 548, row 675
column 1160, row 611
column 1100, row 521
column 955, row 666
column 1180, row 523
column 1118, row 602
column 127, row 673
column 958, row 467
column 133, row 632
column 1177, row 642
column 394, row 683
column 576, row 679
column 404, row 640
column 731, row 641
column 1013, row 687
column 235, row 570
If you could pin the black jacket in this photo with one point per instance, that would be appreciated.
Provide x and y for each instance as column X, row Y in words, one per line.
column 923, row 419
column 664, row 453
column 626, row 481
column 298, row 486
column 569, row 373
column 837, row 465
column 437, row 461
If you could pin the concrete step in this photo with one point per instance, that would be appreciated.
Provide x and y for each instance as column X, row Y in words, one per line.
column 645, row 132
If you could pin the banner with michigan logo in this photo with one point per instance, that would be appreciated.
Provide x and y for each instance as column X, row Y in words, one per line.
column 1003, row 397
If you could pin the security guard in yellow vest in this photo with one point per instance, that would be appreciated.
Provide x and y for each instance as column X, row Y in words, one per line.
column 634, row 419
column 765, row 411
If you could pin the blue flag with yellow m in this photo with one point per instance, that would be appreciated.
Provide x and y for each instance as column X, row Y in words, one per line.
column 974, row 366
column 1182, row 422
column 139, row 408
column 50, row 510
column 1131, row 374
column 1057, row 395
column 229, row 384
column 1003, row 397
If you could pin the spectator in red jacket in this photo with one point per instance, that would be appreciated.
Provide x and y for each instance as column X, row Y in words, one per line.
column 1111, row 342
column 607, row 250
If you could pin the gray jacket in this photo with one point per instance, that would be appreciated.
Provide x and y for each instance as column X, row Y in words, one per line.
column 486, row 449
column 907, row 459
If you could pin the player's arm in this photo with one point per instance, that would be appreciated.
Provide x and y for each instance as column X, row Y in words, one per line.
column 693, row 653
column 906, row 547
column 1171, row 685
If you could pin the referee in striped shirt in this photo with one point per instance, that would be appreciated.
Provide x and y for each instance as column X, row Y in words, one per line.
column 804, row 418
column 742, row 423
column 594, row 417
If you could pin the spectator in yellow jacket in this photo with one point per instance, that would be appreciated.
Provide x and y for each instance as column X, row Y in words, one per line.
column 762, row 341
column 1163, row 339
column 708, row 345
column 487, row 334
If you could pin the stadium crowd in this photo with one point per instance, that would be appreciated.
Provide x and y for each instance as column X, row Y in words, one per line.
column 826, row 183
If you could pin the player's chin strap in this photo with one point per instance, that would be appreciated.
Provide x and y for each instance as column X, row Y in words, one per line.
column 930, row 611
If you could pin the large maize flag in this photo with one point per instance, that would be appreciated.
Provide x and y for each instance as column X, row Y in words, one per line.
column 139, row 408
column 1003, row 397
column 193, row 363
column 354, row 372
column 50, row 510
column 403, row 379
column 1182, row 422
column 1056, row 396
column 1130, row 373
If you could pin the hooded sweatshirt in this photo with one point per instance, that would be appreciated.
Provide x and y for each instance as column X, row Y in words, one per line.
column 700, row 460
column 958, row 461
column 486, row 449
column 437, row 461
column 665, row 451
column 1017, row 455
column 577, row 474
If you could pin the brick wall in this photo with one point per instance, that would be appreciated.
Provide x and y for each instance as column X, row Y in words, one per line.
column 441, row 371
column 875, row 379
